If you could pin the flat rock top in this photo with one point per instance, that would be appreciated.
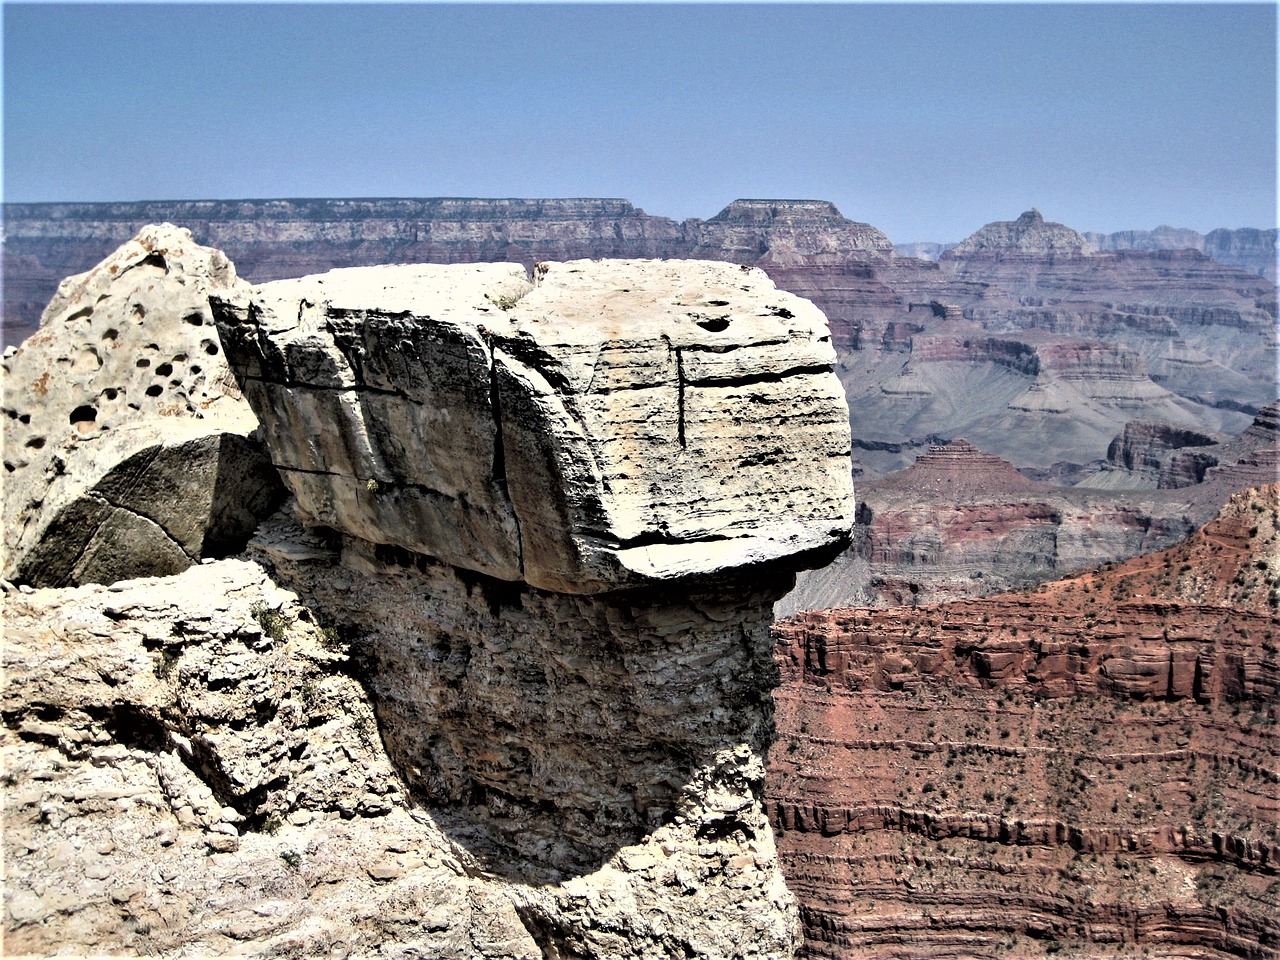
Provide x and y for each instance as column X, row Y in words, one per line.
column 688, row 301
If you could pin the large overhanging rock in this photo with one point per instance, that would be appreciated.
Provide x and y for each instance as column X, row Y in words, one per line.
column 564, row 510
column 126, row 449
column 612, row 424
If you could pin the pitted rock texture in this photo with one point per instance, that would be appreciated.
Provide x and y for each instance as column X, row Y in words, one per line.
column 619, row 423
column 125, row 435
column 1084, row 770
column 192, row 770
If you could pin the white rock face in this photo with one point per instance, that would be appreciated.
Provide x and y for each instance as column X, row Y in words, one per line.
column 618, row 423
column 125, row 435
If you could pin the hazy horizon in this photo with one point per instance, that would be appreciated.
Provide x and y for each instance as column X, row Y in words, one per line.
column 925, row 121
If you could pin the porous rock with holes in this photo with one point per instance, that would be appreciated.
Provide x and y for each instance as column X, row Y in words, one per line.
column 127, row 447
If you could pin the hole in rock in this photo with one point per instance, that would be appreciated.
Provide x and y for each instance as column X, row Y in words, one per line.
column 24, row 418
column 210, row 348
column 179, row 358
column 155, row 390
column 9, row 467
column 714, row 324
column 195, row 368
column 143, row 363
column 35, row 443
column 110, row 393
column 111, row 334
column 717, row 303
column 139, row 310
column 83, row 414
column 195, row 319
column 164, row 369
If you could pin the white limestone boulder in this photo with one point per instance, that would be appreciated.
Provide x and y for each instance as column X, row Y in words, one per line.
column 612, row 424
column 126, row 439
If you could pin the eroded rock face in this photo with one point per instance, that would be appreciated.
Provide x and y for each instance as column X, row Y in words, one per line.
column 572, row 504
column 620, row 423
column 1088, row 769
column 126, row 438
column 193, row 770
column 1029, row 234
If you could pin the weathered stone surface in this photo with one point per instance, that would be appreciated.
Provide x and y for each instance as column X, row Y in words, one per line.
column 126, row 438
column 619, row 423
column 192, row 770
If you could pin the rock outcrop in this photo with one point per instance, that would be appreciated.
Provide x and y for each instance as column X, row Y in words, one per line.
column 579, row 498
column 617, row 424
column 127, row 449
column 1088, row 769
column 547, row 525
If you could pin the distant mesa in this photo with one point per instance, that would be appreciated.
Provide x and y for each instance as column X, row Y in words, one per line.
column 1030, row 233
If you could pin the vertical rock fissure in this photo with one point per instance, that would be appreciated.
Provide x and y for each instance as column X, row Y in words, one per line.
column 498, row 471
column 680, row 397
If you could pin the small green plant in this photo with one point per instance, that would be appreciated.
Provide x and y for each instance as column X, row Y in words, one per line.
column 164, row 667
column 273, row 622
column 372, row 485
column 292, row 859
column 309, row 693
column 331, row 639
column 272, row 824
column 503, row 301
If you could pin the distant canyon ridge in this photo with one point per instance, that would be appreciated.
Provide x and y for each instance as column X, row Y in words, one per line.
column 1028, row 339
column 274, row 239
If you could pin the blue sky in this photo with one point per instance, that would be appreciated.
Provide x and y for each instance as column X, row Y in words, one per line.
column 927, row 120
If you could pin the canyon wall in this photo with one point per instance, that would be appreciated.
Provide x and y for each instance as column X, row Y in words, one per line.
column 1082, row 770
column 1190, row 335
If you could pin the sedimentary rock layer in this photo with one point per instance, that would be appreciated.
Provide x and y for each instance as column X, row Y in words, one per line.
column 1089, row 768
column 618, row 423
column 563, row 510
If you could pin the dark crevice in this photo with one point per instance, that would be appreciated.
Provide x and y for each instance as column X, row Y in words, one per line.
column 325, row 388
column 653, row 538
column 680, row 383
column 814, row 369
column 499, row 469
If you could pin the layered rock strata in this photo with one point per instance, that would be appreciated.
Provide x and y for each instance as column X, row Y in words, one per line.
column 127, row 447
column 618, row 424
column 580, row 497
column 1205, row 331
column 1085, row 770
column 960, row 522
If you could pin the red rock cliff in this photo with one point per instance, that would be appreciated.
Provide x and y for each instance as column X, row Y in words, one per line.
column 1088, row 768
